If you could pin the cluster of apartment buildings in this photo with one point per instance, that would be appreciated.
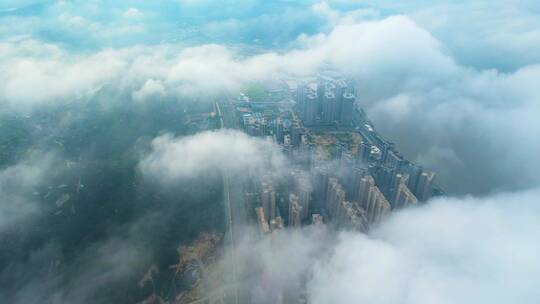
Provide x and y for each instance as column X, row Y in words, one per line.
column 327, row 102
column 357, row 186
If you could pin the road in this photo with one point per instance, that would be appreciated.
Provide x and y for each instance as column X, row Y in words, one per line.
column 233, row 201
column 360, row 120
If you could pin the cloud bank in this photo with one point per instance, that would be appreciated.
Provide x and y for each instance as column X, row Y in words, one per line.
column 469, row 250
column 453, row 118
column 499, row 35
column 230, row 151
column 452, row 250
column 20, row 187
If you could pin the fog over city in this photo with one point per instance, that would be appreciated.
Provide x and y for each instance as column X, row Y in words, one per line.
column 125, row 130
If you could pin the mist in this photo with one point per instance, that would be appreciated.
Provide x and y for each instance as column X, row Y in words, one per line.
column 466, row 250
column 469, row 250
column 172, row 159
column 449, row 116
column 107, row 165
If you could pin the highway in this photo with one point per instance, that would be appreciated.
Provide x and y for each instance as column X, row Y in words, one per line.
column 233, row 202
column 372, row 138
column 230, row 236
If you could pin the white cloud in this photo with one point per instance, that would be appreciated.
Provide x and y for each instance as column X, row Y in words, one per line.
column 483, row 34
column 132, row 13
column 30, row 79
column 363, row 48
column 453, row 250
column 325, row 10
column 19, row 187
column 151, row 88
column 481, row 118
column 211, row 152
column 403, row 73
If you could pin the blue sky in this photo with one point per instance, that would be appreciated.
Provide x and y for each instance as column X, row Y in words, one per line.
column 80, row 24
column 484, row 34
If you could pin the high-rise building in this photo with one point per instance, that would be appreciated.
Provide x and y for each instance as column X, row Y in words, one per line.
column 337, row 108
column 341, row 149
column 372, row 200
column 393, row 159
column 287, row 140
column 347, row 173
column 329, row 107
column 304, row 194
column 346, row 163
column 377, row 206
column 366, row 183
column 321, row 176
column 347, row 108
column 398, row 179
column 385, row 147
column 352, row 216
column 263, row 127
column 353, row 182
column 263, row 224
column 311, row 106
column 316, row 219
column 302, row 155
column 252, row 130
column 287, row 147
column 301, row 94
column 384, row 175
column 363, row 153
column 424, row 189
column 312, row 154
column 279, row 130
column 295, row 211
column 341, row 88
column 334, row 196
column 414, row 173
column 404, row 197
column 320, row 94
column 296, row 132
column 330, row 86
column 304, row 144
column 268, row 199
column 276, row 223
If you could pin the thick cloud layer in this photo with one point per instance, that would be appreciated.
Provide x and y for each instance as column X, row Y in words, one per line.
column 229, row 151
column 484, row 34
column 35, row 72
column 453, row 250
column 452, row 118
column 20, row 185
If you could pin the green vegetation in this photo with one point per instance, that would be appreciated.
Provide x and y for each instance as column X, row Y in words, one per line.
column 256, row 92
column 15, row 138
column 102, row 144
